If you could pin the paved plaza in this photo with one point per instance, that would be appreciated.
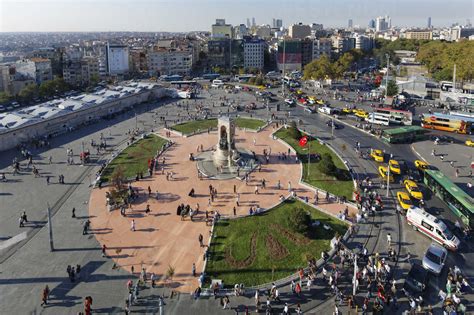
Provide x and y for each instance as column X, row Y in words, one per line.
column 161, row 238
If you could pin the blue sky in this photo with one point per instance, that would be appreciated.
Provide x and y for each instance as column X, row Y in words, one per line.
column 186, row 15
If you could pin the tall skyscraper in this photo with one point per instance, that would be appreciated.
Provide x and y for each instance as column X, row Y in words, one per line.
column 248, row 23
column 372, row 23
column 429, row 22
column 253, row 21
column 383, row 23
column 277, row 23
column 349, row 24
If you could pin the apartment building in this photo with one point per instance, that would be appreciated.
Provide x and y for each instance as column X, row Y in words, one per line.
column 254, row 51
column 162, row 61
column 38, row 69
column 419, row 34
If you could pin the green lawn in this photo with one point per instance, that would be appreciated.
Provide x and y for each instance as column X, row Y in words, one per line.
column 341, row 187
column 135, row 158
column 197, row 125
column 249, row 123
column 231, row 245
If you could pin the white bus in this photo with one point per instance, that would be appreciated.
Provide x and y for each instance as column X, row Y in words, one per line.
column 378, row 119
column 394, row 116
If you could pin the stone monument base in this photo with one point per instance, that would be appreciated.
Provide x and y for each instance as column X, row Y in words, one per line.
column 215, row 165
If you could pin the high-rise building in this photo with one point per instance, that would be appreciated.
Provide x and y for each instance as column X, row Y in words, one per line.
column 383, row 23
column 248, row 23
column 289, row 56
column 253, row 22
column 322, row 46
column 299, row 31
column 277, row 23
column 117, row 57
column 372, row 23
column 349, row 23
column 429, row 22
column 254, row 50
column 221, row 29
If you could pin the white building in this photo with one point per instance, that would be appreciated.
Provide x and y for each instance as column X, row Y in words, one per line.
column 322, row 46
column 38, row 69
column 254, row 53
column 117, row 59
column 263, row 31
column 299, row 30
column 364, row 43
column 169, row 62
column 383, row 23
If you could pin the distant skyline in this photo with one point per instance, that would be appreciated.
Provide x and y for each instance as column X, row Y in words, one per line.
column 198, row 15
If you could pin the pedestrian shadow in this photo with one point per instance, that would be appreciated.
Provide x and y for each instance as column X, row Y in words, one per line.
column 100, row 231
column 168, row 197
column 161, row 214
column 147, row 230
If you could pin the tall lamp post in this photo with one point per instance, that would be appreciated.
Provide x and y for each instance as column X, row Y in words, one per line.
column 388, row 178
column 386, row 78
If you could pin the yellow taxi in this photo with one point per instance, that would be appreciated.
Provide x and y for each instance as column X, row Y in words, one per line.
column 383, row 171
column 377, row 155
column 347, row 111
column 413, row 189
column 404, row 200
column 470, row 143
column 320, row 102
column 394, row 167
column 421, row 165
column 299, row 92
column 361, row 114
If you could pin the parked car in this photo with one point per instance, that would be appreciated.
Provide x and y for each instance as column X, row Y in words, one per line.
column 416, row 280
column 332, row 124
column 435, row 258
column 404, row 200
column 413, row 189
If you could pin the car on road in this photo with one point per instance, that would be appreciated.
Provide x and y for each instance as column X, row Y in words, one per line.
column 331, row 123
column 435, row 258
column 410, row 171
column 443, row 139
column 302, row 100
column 413, row 189
column 383, row 171
column 377, row 155
column 416, row 280
column 320, row 102
column 309, row 109
column 421, row 165
column 362, row 114
column 404, row 200
column 290, row 102
column 394, row 167
column 470, row 143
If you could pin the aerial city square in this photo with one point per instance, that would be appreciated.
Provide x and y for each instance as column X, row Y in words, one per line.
column 236, row 157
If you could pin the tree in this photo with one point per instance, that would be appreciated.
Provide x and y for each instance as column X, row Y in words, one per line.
column 392, row 88
column 318, row 69
column 118, row 177
column 326, row 165
column 293, row 131
column 258, row 80
column 4, row 97
column 28, row 93
column 252, row 80
column 299, row 221
column 342, row 65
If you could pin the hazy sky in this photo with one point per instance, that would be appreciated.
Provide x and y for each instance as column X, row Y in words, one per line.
column 187, row 15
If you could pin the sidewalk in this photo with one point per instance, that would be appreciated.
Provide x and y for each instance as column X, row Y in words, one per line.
column 460, row 154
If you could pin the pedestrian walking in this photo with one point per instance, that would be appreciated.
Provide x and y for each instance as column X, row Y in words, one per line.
column 73, row 212
column 235, row 211
column 104, row 248
column 201, row 238
column 194, row 270
column 45, row 295
column 132, row 225
column 389, row 239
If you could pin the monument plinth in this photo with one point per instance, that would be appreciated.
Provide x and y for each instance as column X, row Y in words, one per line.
column 226, row 161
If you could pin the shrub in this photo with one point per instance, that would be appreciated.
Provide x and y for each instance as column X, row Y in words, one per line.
column 327, row 165
column 118, row 177
column 299, row 220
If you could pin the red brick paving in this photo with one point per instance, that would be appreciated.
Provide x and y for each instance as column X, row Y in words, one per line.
column 161, row 238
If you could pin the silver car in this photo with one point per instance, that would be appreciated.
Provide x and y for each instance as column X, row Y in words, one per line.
column 434, row 258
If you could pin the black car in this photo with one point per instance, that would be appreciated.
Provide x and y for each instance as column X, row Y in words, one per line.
column 415, row 282
column 330, row 123
column 410, row 171
column 443, row 139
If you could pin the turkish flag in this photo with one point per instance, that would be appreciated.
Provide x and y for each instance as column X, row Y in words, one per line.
column 303, row 141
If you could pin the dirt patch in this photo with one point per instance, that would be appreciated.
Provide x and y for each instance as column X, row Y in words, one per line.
column 293, row 237
column 240, row 264
column 276, row 250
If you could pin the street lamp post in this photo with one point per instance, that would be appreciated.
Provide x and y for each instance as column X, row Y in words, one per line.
column 388, row 178
column 386, row 78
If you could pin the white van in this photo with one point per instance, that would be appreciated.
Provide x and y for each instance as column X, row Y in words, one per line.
column 432, row 227
column 217, row 83
column 326, row 110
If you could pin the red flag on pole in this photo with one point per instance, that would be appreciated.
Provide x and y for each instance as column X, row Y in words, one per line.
column 303, row 141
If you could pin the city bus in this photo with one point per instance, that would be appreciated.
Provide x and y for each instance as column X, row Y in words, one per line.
column 451, row 123
column 460, row 203
column 210, row 76
column 243, row 77
column 386, row 116
column 405, row 134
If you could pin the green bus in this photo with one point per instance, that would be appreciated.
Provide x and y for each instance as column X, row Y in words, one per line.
column 457, row 200
column 406, row 134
